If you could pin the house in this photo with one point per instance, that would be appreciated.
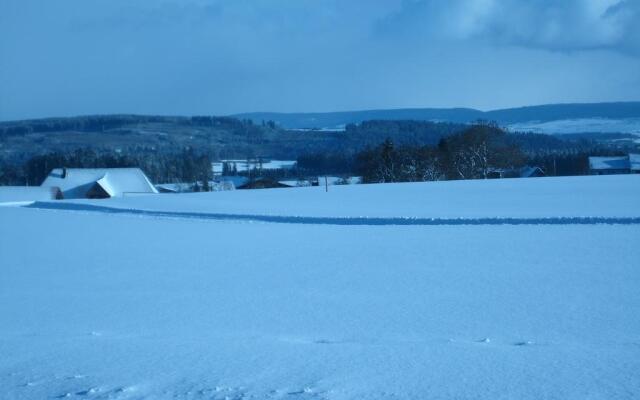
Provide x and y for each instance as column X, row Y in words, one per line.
column 524, row 172
column 634, row 163
column 214, row 186
column 531, row 172
column 263, row 183
column 28, row 194
column 231, row 181
column 174, row 187
column 629, row 164
column 320, row 181
column 99, row 183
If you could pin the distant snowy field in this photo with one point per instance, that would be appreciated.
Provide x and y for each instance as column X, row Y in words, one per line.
column 581, row 125
column 244, row 165
column 96, row 304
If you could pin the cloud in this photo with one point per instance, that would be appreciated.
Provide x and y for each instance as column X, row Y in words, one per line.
column 70, row 57
column 568, row 25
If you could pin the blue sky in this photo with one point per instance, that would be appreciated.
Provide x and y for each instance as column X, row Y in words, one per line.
column 72, row 57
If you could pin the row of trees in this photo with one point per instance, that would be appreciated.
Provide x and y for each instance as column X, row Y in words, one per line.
column 101, row 123
column 474, row 153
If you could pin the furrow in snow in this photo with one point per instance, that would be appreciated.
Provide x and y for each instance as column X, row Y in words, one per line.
column 350, row 221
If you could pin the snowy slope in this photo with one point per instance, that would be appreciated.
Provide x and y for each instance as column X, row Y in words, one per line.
column 96, row 305
column 605, row 196
column 581, row 125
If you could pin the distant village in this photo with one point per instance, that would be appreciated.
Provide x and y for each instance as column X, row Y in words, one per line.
column 101, row 183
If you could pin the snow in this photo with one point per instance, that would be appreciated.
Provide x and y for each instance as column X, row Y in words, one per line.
column 236, row 181
column 586, row 196
column 580, row 125
column 634, row 161
column 25, row 194
column 320, row 180
column 244, row 165
column 606, row 163
column 100, row 305
column 629, row 162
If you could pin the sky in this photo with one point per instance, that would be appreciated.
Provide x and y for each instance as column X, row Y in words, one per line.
column 218, row 57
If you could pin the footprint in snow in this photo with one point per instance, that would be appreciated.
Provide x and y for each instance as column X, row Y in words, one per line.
column 326, row 341
column 87, row 392
column 305, row 391
column 77, row 376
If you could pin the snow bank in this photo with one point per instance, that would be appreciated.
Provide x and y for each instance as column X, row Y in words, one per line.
column 18, row 195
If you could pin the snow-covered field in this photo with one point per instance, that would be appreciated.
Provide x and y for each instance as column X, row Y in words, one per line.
column 582, row 125
column 587, row 196
column 179, row 303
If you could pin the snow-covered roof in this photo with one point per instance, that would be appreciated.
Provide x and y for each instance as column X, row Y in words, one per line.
column 76, row 182
column 608, row 163
column 634, row 161
column 331, row 180
column 13, row 194
column 174, row 187
column 235, row 180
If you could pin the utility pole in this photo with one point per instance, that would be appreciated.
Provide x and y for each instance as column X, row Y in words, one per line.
column 326, row 184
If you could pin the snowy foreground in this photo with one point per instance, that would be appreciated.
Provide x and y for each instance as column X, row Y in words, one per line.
column 100, row 304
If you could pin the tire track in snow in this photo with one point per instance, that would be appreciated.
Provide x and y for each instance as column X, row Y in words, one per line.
column 348, row 221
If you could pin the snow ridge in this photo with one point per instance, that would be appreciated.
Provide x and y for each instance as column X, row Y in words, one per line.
column 348, row 221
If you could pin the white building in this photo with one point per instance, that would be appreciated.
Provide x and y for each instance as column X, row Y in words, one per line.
column 99, row 183
column 629, row 164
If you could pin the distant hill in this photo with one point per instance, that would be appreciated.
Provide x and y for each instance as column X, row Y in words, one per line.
column 220, row 137
column 541, row 113
column 286, row 136
column 340, row 119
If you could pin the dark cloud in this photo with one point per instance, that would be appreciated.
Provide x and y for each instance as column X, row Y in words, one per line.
column 568, row 25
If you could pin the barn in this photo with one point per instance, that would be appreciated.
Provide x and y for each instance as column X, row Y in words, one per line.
column 99, row 183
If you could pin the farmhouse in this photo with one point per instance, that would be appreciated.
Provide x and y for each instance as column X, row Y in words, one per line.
column 263, row 183
column 99, row 183
column 629, row 164
column 524, row 172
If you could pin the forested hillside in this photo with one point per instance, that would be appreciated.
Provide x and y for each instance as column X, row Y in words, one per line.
column 167, row 147
column 218, row 137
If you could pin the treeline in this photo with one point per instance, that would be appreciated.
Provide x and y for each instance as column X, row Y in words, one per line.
column 187, row 166
column 477, row 152
column 337, row 163
column 400, row 132
column 380, row 151
column 101, row 123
